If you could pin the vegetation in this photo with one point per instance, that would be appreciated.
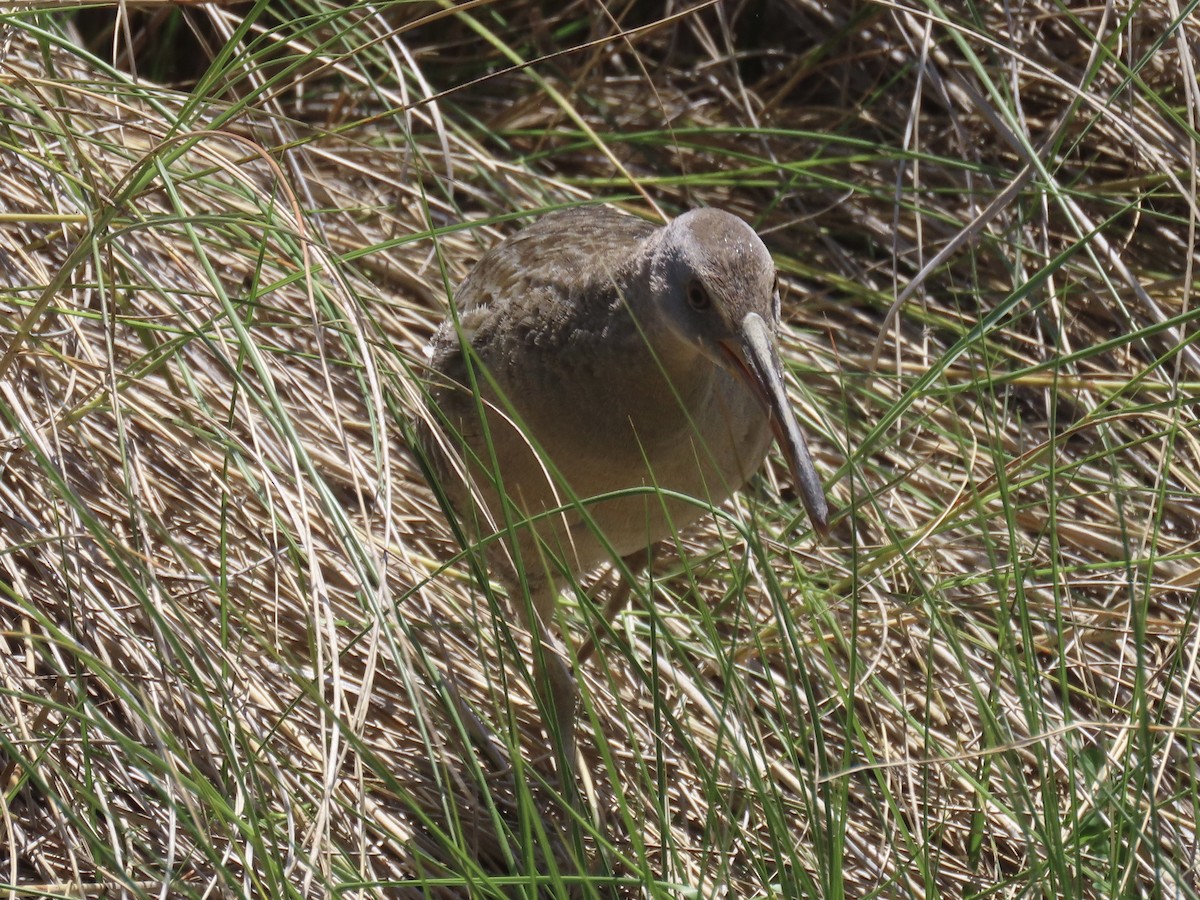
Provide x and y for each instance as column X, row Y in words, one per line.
column 235, row 618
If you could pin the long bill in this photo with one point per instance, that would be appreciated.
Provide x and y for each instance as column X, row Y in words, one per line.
column 760, row 361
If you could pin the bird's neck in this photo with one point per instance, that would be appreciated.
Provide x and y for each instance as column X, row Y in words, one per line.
column 679, row 358
column 649, row 352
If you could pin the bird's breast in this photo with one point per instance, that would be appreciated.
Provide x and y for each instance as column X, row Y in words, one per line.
column 693, row 429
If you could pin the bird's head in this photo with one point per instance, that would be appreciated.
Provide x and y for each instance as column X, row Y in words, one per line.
column 716, row 289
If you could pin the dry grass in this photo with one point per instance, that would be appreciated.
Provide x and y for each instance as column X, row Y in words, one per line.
column 230, row 603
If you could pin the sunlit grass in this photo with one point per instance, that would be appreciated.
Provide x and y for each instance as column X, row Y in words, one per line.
column 235, row 616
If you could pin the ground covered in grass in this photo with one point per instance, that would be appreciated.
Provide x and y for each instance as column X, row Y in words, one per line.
column 235, row 619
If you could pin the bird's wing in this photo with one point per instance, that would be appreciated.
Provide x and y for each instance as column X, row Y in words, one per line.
column 560, row 252
column 529, row 286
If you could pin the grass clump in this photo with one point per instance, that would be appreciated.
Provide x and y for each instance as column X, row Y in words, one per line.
column 234, row 616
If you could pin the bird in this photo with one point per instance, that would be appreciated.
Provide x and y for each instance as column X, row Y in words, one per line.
column 602, row 384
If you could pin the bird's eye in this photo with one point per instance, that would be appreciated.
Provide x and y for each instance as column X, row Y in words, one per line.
column 697, row 296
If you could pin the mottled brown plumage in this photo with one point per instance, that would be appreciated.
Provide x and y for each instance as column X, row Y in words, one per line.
column 614, row 359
